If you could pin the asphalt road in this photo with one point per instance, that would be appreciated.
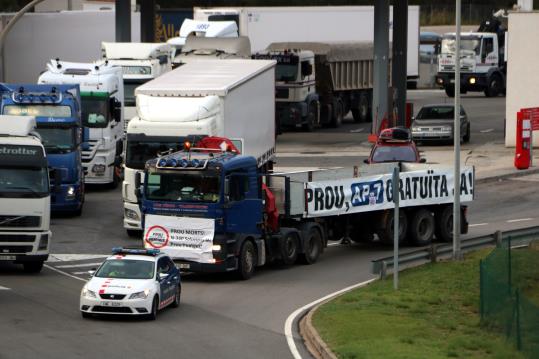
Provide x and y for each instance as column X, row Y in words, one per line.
column 219, row 316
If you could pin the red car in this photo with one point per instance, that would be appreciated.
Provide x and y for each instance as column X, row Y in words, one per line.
column 395, row 145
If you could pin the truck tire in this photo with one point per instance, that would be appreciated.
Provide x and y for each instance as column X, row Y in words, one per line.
column 450, row 91
column 421, row 229
column 288, row 246
column 443, row 219
column 494, row 86
column 33, row 267
column 247, row 260
column 311, row 118
column 362, row 113
column 338, row 113
column 385, row 226
column 312, row 244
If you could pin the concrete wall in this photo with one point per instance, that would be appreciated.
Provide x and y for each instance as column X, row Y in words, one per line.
column 522, row 70
column 71, row 36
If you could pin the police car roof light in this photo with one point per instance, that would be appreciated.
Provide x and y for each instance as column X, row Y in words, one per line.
column 141, row 251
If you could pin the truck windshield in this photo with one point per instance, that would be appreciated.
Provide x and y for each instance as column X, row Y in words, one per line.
column 286, row 72
column 38, row 110
column 95, row 111
column 129, row 91
column 182, row 186
column 467, row 44
column 57, row 139
column 138, row 152
column 24, row 182
column 126, row 269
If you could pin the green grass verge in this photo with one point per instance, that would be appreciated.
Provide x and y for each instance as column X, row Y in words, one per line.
column 526, row 273
column 435, row 314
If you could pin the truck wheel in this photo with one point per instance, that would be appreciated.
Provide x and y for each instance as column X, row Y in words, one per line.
column 385, row 226
column 422, row 227
column 450, row 91
column 33, row 267
column 247, row 260
column 338, row 114
column 312, row 244
column 134, row 233
column 443, row 219
column 362, row 113
column 311, row 118
column 494, row 86
column 288, row 247
column 466, row 137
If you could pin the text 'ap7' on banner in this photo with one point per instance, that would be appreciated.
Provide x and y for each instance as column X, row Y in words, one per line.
column 371, row 193
column 180, row 237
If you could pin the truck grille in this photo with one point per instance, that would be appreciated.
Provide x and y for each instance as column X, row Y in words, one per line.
column 112, row 296
column 282, row 93
column 17, row 238
column 90, row 148
column 103, row 309
column 20, row 221
column 15, row 249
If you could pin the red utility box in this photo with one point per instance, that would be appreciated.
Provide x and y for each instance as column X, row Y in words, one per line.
column 523, row 141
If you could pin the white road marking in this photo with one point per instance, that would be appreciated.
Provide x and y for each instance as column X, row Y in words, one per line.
column 79, row 273
column 477, row 224
column 4, row 288
column 73, row 257
column 358, row 130
column 519, row 220
column 292, row 317
column 487, row 130
column 79, row 265
column 64, row 273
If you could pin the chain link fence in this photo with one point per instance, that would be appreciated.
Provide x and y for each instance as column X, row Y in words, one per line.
column 509, row 295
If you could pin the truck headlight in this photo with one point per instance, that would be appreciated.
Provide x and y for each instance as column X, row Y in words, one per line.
column 43, row 242
column 129, row 213
column 472, row 80
column 70, row 193
column 87, row 292
column 216, row 247
column 140, row 295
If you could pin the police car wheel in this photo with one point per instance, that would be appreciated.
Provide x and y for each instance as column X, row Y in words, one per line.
column 176, row 302
column 155, row 307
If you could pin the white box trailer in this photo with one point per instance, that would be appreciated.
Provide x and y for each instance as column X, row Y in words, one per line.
column 264, row 25
column 223, row 98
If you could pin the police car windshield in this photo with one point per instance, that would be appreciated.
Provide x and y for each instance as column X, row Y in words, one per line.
column 394, row 154
column 126, row 269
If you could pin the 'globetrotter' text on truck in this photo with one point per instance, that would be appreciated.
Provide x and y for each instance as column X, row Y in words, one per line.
column 200, row 98
column 25, row 201
column 56, row 109
column 216, row 211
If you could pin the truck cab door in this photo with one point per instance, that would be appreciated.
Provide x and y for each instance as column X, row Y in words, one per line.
column 243, row 206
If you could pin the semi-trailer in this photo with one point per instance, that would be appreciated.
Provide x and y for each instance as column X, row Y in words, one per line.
column 224, row 98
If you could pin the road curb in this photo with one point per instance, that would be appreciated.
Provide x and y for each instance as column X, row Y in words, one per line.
column 501, row 177
column 314, row 344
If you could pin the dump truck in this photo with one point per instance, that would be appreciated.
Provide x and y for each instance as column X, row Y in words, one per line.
column 214, row 210
column 318, row 83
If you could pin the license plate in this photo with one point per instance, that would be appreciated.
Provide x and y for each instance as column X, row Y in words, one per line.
column 184, row 265
column 111, row 304
column 7, row 258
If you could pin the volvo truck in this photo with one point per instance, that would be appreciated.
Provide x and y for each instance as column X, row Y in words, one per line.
column 56, row 109
column 224, row 98
column 102, row 111
column 25, row 199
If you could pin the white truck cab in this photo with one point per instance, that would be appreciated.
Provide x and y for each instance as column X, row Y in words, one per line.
column 201, row 29
column 24, row 194
column 140, row 62
column 102, row 104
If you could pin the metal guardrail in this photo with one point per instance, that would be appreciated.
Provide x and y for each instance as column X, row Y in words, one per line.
column 432, row 253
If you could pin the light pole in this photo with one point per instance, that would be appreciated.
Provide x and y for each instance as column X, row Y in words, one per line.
column 456, row 137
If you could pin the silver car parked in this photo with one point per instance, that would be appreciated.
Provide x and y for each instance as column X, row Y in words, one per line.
column 435, row 123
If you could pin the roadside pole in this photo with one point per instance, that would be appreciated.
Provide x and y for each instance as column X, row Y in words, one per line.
column 456, row 137
column 396, row 198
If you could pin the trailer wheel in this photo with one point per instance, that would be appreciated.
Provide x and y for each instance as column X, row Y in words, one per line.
column 494, row 86
column 443, row 219
column 362, row 114
column 311, row 118
column 422, row 227
column 288, row 246
column 312, row 244
column 337, row 116
column 450, row 91
column 385, row 226
column 247, row 260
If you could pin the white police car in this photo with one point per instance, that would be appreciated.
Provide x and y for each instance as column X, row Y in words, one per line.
column 132, row 282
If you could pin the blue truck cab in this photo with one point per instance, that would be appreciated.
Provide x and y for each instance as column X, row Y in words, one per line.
column 56, row 109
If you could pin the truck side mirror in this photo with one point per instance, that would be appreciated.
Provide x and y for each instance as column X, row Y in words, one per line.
column 306, row 69
column 116, row 109
column 163, row 59
column 138, row 180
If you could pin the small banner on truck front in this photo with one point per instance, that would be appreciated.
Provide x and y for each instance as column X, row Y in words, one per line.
column 365, row 194
column 180, row 237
